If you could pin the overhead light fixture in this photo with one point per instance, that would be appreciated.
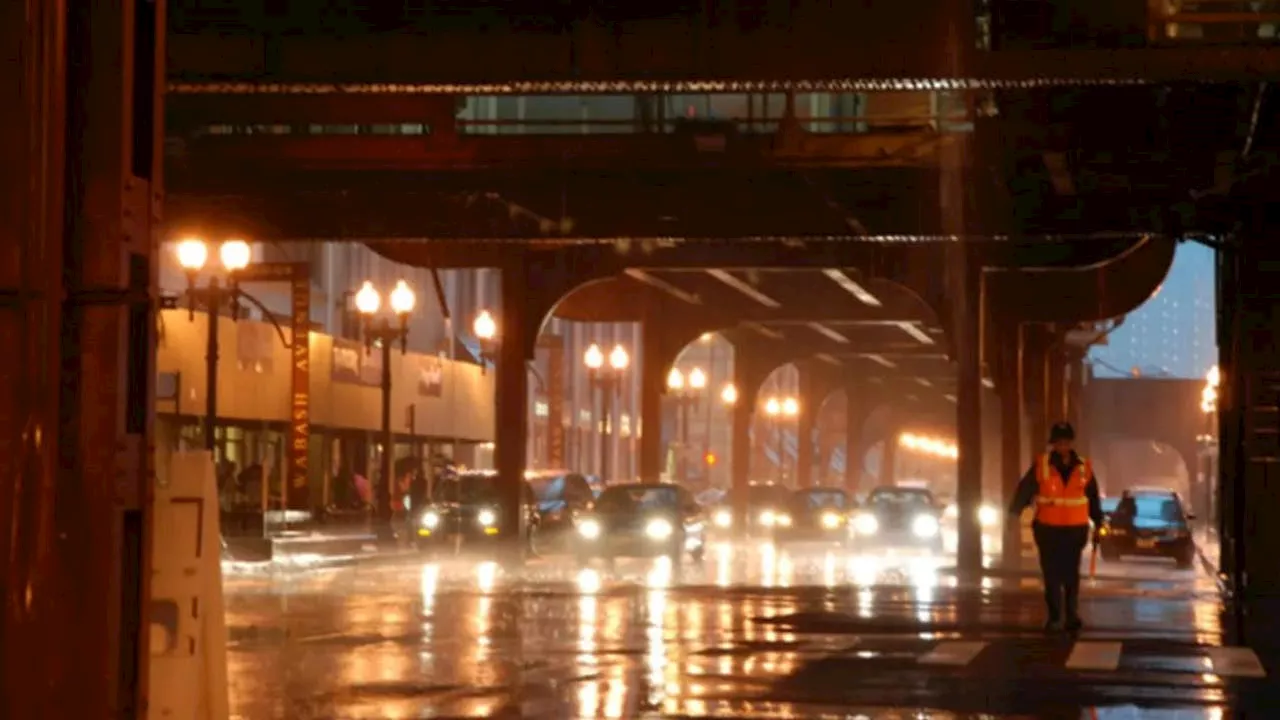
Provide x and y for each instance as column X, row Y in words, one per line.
column 911, row 329
column 852, row 287
column 663, row 285
column 829, row 333
column 924, row 382
column 828, row 358
column 952, row 398
column 744, row 287
column 988, row 383
column 880, row 360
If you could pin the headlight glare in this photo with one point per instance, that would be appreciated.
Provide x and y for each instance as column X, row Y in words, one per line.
column 430, row 520
column 767, row 518
column 589, row 528
column 830, row 520
column 866, row 524
column 487, row 518
column 925, row 526
column 783, row 520
column 658, row 529
column 723, row 519
column 988, row 516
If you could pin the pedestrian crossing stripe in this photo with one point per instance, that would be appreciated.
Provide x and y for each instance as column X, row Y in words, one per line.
column 1094, row 656
column 956, row 653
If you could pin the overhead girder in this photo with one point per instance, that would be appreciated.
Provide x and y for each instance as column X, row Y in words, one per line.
column 220, row 155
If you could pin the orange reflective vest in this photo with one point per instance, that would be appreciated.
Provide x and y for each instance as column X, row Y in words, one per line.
column 1061, row 503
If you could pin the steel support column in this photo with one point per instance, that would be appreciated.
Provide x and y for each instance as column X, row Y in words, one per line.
column 815, row 385
column 889, row 456
column 740, row 450
column 1074, row 393
column 1033, row 384
column 858, row 407
column 966, row 299
column 653, row 373
column 79, row 189
column 1249, row 426
column 1010, row 387
column 1055, row 381
column 512, row 398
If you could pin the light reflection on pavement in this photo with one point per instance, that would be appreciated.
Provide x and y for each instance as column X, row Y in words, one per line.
column 755, row 630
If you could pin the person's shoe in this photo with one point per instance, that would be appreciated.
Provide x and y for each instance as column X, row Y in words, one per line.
column 1074, row 624
column 1053, row 626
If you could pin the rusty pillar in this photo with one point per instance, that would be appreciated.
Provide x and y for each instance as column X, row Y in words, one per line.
column 889, row 457
column 653, row 367
column 740, row 464
column 855, row 416
column 1011, row 386
column 79, row 191
column 1034, row 362
column 815, row 386
column 966, row 302
column 511, row 417
column 1055, row 381
column 1073, row 391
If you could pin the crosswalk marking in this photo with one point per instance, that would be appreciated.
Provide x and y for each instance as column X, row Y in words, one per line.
column 1094, row 656
column 955, row 653
column 1236, row 661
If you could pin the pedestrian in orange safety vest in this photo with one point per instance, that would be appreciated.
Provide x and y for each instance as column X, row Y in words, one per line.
column 1064, row 490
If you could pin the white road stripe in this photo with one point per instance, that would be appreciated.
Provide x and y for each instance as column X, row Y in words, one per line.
column 1094, row 656
column 1236, row 661
column 956, row 653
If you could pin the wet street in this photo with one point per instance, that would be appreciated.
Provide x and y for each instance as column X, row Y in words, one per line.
column 750, row 631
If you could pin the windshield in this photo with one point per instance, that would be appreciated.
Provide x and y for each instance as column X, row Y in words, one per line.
column 820, row 499
column 767, row 496
column 1109, row 505
column 548, row 487
column 900, row 496
column 468, row 489
column 1155, row 507
column 637, row 498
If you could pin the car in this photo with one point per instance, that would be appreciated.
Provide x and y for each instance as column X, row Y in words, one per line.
column 643, row 520
column 820, row 513
column 563, row 499
column 1109, row 505
column 1150, row 522
column 466, row 512
column 898, row 517
column 768, row 509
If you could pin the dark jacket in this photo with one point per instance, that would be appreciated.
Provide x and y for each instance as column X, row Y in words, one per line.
column 1029, row 486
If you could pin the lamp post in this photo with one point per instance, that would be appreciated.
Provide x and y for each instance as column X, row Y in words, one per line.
column 686, row 393
column 383, row 333
column 779, row 409
column 606, row 375
column 193, row 255
column 1209, row 442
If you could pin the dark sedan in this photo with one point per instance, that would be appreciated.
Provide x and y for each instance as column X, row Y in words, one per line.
column 642, row 520
column 1153, row 523
column 768, row 510
column 466, row 512
column 899, row 517
column 819, row 514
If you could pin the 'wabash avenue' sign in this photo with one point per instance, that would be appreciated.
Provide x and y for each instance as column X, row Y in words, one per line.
column 298, row 275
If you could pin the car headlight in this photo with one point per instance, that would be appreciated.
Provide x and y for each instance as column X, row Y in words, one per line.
column 589, row 528
column 866, row 524
column 658, row 529
column 487, row 518
column 988, row 516
column 768, row 518
column 952, row 511
column 925, row 526
column 782, row 520
column 430, row 520
column 830, row 520
column 723, row 519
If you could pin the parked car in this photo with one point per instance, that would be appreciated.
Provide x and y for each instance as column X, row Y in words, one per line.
column 563, row 499
column 1150, row 522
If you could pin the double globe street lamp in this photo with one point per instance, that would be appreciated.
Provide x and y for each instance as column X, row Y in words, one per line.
column 779, row 409
column 193, row 256
column 379, row 330
column 686, row 392
column 605, row 374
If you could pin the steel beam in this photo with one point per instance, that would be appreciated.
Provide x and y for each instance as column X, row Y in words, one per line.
column 639, row 151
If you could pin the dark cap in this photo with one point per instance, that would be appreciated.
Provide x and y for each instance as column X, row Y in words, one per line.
column 1061, row 431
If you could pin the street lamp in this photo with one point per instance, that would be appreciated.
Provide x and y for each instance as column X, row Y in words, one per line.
column 687, row 394
column 193, row 255
column 729, row 394
column 778, row 410
column 486, row 331
column 605, row 374
column 382, row 332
